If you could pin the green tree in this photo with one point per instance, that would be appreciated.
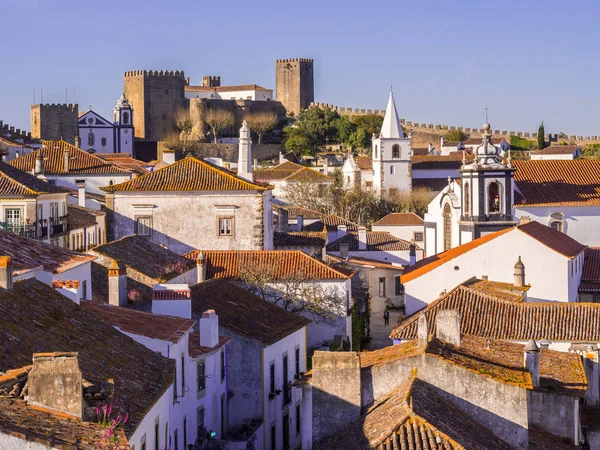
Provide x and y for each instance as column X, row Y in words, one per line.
column 358, row 139
column 343, row 129
column 540, row 136
column 370, row 123
column 455, row 136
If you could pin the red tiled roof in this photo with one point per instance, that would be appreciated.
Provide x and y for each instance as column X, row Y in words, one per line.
column 376, row 241
column 331, row 222
column 125, row 160
column 195, row 350
column 307, row 174
column 366, row 262
column 188, row 174
column 80, row 217
column 155, row 326
column 452, row 160
column 290, row 171
column 557, row 150
column 295, row 211
column 364, row 162
column 283, row 264
column 80, row 162
column 400, row 219
column 559, row 182
column 590, row 278
column 241, row 87
column 554, row 239
column 299, row 239
column 15, row 182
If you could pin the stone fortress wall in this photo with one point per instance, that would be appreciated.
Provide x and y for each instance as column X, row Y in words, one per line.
column 6, row 129
column 294, row 83
column 55, row 121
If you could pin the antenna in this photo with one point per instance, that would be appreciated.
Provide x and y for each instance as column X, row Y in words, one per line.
column 34, row 95
column 486, row 114
column 42, row 93
column 74, row 99
column 66, row 96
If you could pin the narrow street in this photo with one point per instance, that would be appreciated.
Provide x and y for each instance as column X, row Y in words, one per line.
column 379, row 332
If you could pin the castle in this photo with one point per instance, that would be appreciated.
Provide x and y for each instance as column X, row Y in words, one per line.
column 54, row 122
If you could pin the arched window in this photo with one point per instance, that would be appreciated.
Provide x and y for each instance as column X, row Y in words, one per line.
column 396, row 151
column 557, row 221
column 91, row 139
column 447, row 227
column 125, row 118
column 494, row 198
column 467, row 200
column 103, row 142
column 348, row 179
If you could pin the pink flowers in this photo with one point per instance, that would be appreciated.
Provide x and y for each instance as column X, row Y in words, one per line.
column 104, row 416
column 134, row 295
column 171, row 270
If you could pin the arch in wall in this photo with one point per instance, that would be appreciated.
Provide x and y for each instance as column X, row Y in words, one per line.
column 447, row 214
column 494, row 199
column 467, row 199
column 125, row 118
column 395, row 151
column 91, row 139
column 557, row 221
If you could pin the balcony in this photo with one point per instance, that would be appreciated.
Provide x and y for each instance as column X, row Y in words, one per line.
column 22, row 229
column 37, row 230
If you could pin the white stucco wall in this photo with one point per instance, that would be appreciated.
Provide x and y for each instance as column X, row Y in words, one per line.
column 405, row 232
column 250, row 94
column 93, row 183
column 550, row 157
column 434, row 173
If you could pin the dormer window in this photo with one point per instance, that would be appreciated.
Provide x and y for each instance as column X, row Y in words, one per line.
column 396, row 151
column 557, row 221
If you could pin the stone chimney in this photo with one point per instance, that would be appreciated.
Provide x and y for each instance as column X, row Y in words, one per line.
column 412, row 253
column 66, row 160
column 77, row 141
column 39, row 164
column 209, row 329
column 523, row 220
column 447, row 326
column 422, row 330
column 168, row 156
column 281, row 158
column 519, row 273
column 531, row 361
column 81, row 194
column 6, row 272
column 299, row 222
column 201, row 267
column 362, row 238
column 282, row 220
column 245, row 154
column 336, row 392
column 590, row 365
column 344, row 249
column 172, row 300
column 117, row 284
column 55, row 383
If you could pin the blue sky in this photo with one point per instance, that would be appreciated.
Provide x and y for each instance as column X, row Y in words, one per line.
column 447, row 60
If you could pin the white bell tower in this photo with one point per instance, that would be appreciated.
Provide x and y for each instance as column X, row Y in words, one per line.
column 123, row 122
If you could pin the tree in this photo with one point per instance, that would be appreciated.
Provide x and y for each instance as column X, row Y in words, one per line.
column 343, row 129
column 370, row 124
column 261, row 122
column 218, row 120
column 358, row 139
column 455, row 136
column 183, row 140
column 540, row 136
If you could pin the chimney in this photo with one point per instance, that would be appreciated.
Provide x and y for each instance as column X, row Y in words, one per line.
column 172, row 300
column 281, row 158
column 325, row 166
column 412, row 253
column 531, row 361
column 55, row 383
column 300, row 222
column 430, row 147
column 81, row 194
column 168, row 156
column 523, row 220
column 77, row 141
column 117, row 284
column 245, row 154
column 201, row 267
column 39, row 164
column 484, row 277
column 209, row 329
column 422, row 330
column 519, row 273
column 255, row 164
column 342, row 230
column 66, row 159
column 362, row 238
column 6, row 272
column 344, row 249
column 447, row 326
column 282, row 220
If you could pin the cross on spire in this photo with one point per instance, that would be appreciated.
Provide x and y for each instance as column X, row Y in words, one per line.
column 486, row 114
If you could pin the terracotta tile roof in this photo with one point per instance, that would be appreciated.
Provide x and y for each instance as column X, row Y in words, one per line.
column 554, row 239
column 559, row 182
column 145, row 257
column 331, row 222
column 390, row 354
column 557, row 150
column 498, row 289
column 376, row 241
column 299, row 239
column 431, row 184
column 290, row 171
column 590, row 278
column 100, row 288
column 28, row 254
column 241, row 87
column 400, row 219
column 542, row 440
column 366, row 262
column 285, row 263
column 414, row 417
column 81, row 162
column 245, row 313
column 487, row 316
column 453, row 143
column 15, row 182
column 69, row 284
column 195, row 350
column 35, row 318
column 309, row 175
column 80, row 217
column 295, row 211
column 452, row 160
column 364, row 162
column 420, row 151
column 126, row 161
column 188, row 174
column 155, row 326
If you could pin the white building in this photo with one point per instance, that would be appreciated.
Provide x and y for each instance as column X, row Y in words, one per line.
column 554, row 152
column 358, row 170
column 240, row 92
column 494, row 256
column 10, row 149
column 406, row 226
column 98, row 135
column 289, row 175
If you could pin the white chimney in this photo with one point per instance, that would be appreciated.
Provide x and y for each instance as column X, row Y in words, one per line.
column 519, row 273
column 39, row 164
column 201, row 267
column 531, row 357
column 168, row 156
column 81, row 194
column 172, row 300
column 117, row 284
column 447, row 326
column 342, row 231
column 412, row 253
column 281, row 158
column 300, row 222
column 6, row 272
column 422, row 330
column 362, row 238
column 66, row 159
column 209, row 329
column 245, row 154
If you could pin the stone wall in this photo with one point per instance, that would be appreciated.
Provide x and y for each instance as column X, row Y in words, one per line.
column 14, row 133
column 295, row 83
column 55, row 122
column 229, row 152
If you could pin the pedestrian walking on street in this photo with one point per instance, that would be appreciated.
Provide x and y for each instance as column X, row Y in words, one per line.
column 386, row 318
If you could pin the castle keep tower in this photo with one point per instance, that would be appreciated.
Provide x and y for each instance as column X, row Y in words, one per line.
column 55, row 122
column 295, row 86
column 155, row 96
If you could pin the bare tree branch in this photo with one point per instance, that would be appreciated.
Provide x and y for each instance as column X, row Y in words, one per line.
column 218, row 120
column 261, row 122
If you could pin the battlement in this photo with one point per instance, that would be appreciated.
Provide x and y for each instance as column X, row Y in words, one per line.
column 154, row 73
column 211, row 80
column 346, row 111
column 57, row 106
column 300, row 60
column 6, row 129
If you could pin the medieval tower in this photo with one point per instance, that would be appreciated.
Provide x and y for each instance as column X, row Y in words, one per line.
column 156, row 96
column 54, row 122
column 295, row 86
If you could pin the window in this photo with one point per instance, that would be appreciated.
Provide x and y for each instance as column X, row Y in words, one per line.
column 286, row 432
column 143, row 225
column 376, row 152
column 368, row 184
column 392, row 170
column 396, row 151
column 52, row 182
column 156, row 437
column 184, row 433
column 287, row 388
column 222, row 365
column 201, row 376
column 467, row 197
column 399, row 288
column 125, row 118
column 225, row 226
column 298, row 423
column 418, row 236
column 54, row 212
column 103, row 142
column 167, row 435
column 447, row 227
column 175, row 441
column 12, row 216
column 91, row 139
column 382, row 287
column 200, row 417
column 182, row 376
column 493, row 198
column 223, row 418
column 175, row 385
column 143, row 442
column 84, row 290
column 556, row 221
column 297, row 358
column 273, row 437
column 272, row 378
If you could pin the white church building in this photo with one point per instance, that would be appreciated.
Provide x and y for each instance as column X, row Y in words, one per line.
column 98, row 135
